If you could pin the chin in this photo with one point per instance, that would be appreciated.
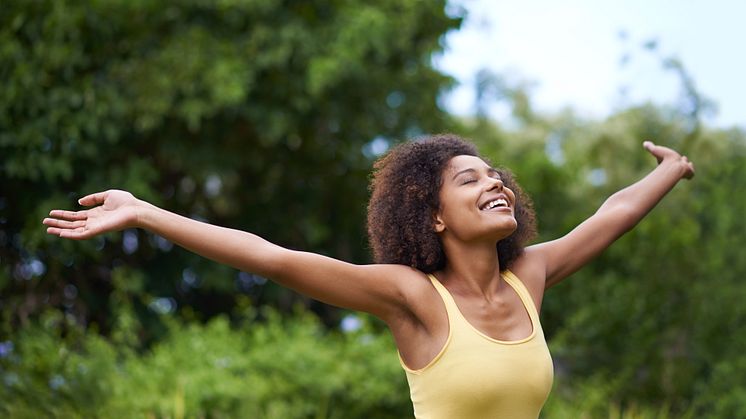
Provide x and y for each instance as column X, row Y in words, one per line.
column 510, row 227
column 504, row 230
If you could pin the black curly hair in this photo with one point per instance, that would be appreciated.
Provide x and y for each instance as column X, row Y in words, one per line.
column 405, row 190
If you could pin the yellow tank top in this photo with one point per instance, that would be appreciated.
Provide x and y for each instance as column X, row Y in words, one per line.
column 475, row 376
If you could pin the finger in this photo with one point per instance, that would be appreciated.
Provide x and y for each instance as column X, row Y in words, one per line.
column 53, row 222
column 66, row 233
column 77, row 234
column 653, row 149
column 93, row 199
column 54, row 230
column 69, row 215
column 650, row 147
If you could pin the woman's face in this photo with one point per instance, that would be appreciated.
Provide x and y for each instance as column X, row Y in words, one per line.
column 474, row 203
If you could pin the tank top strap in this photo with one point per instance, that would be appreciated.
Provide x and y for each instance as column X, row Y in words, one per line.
column 451, row 307
column 523, row 294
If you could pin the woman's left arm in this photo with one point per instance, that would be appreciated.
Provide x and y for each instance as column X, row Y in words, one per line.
column 618, row 214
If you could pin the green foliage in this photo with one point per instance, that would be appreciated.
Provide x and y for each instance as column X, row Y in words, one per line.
column 275, row 368
column 225, row 111
column 594, row 398
column 266, row 116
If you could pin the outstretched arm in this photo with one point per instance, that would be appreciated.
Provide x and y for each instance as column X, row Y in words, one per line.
column 370, row 288
column 618, row 214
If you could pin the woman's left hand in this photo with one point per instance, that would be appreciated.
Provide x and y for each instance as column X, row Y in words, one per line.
column 666, row 154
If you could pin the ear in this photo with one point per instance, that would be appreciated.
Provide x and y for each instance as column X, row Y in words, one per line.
column 438, row 224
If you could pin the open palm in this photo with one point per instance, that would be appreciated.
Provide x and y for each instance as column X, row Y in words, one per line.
column 112, row 210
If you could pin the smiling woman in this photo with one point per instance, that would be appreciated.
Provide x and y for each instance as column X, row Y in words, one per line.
column 452, row 280
column 406, row 193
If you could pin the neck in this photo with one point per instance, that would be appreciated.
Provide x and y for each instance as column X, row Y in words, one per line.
column 471, row 268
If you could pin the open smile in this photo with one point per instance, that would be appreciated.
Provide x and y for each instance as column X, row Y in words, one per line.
column 497, row 204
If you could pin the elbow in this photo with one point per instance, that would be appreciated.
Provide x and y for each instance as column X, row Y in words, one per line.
column 628, row 217
column 274, row 263
column 268, row 262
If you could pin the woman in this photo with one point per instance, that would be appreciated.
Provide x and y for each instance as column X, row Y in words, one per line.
column 453, row 280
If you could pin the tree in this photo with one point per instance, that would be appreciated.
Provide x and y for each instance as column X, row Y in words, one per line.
column 251, row 114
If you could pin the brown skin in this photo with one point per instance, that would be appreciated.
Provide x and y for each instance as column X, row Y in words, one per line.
column 468, row 234
column 400, row 295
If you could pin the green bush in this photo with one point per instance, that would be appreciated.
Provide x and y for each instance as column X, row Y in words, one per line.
column 273, row 366
column 276, row 368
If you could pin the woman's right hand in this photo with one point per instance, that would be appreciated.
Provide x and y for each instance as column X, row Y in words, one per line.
column 113, row 210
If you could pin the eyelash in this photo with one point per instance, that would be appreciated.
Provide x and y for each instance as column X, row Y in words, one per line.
column 472, row 180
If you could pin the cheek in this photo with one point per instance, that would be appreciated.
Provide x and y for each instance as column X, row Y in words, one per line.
column 511, row 195
column 455, row 199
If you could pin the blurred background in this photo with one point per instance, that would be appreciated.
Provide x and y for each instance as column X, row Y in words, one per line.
column 267, row 116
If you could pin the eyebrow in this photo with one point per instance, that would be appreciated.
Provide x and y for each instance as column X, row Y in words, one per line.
column 490, row 170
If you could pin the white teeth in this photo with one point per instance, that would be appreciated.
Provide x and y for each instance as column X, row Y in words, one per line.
column 501, row 202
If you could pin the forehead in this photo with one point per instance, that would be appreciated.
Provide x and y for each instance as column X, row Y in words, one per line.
column 462, row 162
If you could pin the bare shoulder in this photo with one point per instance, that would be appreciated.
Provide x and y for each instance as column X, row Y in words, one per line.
column 407, row 279
column 420, row 331
column 420, row 299
column 530, row 269
column 416, row 287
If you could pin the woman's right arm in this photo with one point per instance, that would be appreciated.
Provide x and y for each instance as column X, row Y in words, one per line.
column 376, row 289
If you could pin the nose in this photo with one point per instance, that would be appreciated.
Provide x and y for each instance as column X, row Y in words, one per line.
column 496, row 184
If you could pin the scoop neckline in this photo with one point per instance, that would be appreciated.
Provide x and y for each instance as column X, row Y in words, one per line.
column 509, row 280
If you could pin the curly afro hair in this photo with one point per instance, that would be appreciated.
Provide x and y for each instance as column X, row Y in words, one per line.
column 405, row 198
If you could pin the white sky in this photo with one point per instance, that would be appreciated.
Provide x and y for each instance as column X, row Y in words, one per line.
column 572, row 51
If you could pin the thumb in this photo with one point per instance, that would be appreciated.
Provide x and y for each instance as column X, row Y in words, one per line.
column 93, row 199
column 652, row 149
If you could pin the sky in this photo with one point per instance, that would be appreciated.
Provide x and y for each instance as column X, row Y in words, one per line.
column 571, row 53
